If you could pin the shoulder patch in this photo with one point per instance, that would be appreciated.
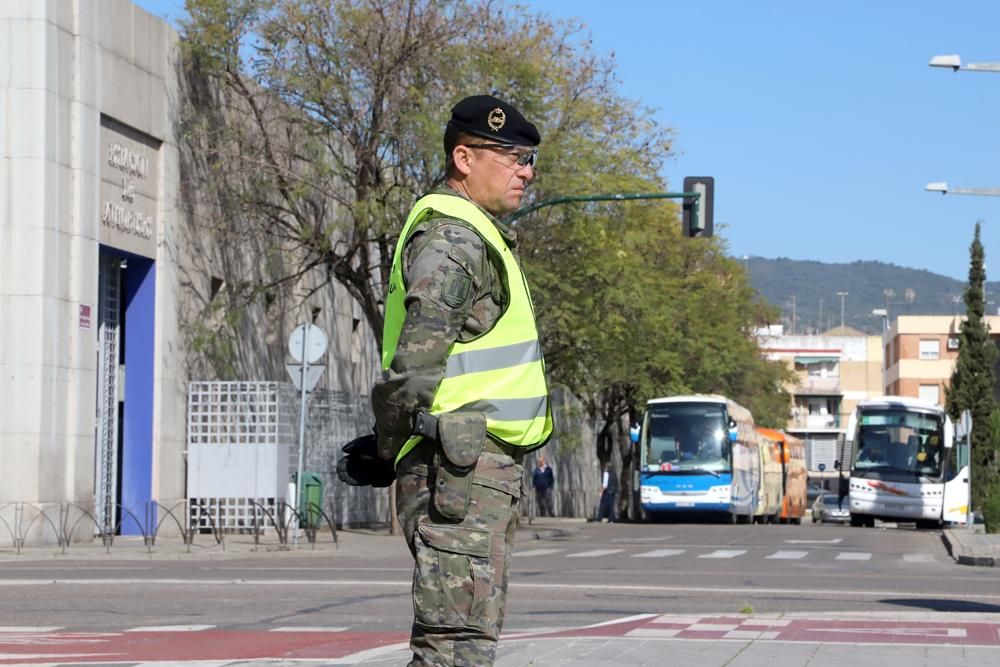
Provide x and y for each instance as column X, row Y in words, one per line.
column 456, row 288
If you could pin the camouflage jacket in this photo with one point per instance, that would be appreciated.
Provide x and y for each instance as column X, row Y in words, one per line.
column 454, row 292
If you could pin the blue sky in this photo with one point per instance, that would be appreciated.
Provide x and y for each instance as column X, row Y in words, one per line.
column 820, row 121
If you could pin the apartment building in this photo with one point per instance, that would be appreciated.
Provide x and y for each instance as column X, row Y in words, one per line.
column 833, row 372
column 920, row 352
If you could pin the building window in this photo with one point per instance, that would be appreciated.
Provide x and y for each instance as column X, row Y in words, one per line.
column 952, row 342
column 929, row 393
column 930, row 349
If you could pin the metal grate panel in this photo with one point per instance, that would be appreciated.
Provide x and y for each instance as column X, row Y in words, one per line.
column 106, row 461
column 240, row 436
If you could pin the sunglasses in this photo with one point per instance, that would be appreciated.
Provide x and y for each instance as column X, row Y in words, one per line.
column 524, row 158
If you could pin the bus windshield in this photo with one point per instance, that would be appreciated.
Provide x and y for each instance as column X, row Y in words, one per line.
column 681, row 437
column 899, row 440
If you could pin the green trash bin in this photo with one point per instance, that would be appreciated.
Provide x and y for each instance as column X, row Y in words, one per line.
column 310, row 500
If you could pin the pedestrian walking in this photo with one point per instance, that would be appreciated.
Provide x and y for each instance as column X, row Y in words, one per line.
column 609, row 491
column 463, row 394
column 543, row 480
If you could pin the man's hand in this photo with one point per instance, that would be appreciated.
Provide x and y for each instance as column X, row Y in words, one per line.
column 362, row 466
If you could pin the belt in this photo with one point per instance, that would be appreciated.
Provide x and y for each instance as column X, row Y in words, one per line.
column 426, row 425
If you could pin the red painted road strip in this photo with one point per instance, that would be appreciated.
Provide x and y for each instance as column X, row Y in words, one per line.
column 26, row 648
column 177, row 646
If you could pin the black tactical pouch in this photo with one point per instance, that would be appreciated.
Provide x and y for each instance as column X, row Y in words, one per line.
column 462, row 438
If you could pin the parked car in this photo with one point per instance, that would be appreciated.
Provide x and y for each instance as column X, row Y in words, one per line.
column 813, row 491
column 829, row 509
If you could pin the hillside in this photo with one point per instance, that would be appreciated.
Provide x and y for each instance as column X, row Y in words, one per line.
column 807, row 291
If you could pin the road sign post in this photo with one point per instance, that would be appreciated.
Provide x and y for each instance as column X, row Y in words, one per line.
column 307, row 344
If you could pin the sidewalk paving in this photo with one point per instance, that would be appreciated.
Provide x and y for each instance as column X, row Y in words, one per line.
column 971, row 547
column 358, row 542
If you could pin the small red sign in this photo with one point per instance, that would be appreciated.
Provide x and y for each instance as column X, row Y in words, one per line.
column 84, row 316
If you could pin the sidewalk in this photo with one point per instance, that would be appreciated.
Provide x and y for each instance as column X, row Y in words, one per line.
column 971, row 547
column 358, row 542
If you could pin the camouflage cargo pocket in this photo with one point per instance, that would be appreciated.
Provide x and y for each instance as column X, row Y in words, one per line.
column 462, row 438
column 452, row 577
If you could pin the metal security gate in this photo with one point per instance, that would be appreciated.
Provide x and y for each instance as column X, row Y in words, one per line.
column 108, row 355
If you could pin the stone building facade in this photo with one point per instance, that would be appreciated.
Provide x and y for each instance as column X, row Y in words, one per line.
column 102, row 270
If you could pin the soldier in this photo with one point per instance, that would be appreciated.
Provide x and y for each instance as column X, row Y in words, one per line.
column 463, row 394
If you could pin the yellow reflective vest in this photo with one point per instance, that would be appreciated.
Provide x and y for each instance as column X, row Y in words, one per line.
column 500, row 373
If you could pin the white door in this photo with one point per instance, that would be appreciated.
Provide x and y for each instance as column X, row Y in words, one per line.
column 956, row 497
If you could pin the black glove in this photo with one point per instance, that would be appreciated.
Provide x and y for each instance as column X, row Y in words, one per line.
column 362, row 466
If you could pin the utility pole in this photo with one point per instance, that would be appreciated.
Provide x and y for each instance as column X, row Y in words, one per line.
column 842, row 295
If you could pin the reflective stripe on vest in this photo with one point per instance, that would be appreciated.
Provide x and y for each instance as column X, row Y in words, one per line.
column 500, row 373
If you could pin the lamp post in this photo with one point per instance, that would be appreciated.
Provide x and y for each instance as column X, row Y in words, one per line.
column 954, row 62
column 945, row 189
column 842, row 295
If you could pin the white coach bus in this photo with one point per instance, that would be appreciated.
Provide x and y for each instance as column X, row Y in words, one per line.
column 906, row 463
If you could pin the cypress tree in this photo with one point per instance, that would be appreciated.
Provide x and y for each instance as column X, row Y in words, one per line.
column 973, row 380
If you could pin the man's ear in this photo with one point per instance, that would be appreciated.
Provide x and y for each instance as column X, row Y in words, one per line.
column 462, row 158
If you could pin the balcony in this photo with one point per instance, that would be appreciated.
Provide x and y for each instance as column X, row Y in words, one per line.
column 817, row 422
column 818, row 386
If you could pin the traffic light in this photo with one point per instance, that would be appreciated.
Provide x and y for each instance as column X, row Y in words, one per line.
column 697, row 213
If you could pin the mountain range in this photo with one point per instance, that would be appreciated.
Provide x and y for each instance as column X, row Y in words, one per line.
column 807, row 293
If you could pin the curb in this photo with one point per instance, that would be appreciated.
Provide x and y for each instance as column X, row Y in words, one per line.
column 964, row 555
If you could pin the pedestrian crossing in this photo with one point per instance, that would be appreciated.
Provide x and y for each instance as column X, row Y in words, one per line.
column 709, row 553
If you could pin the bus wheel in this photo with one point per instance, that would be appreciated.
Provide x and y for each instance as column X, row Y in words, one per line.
column 858, row 520
column 928, row 524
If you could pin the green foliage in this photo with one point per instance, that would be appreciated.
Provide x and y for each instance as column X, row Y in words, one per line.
column 334, row 113
column 972, row 384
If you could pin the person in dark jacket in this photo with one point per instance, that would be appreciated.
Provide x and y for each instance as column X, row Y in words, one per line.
column 609, row 491
column 543, row 480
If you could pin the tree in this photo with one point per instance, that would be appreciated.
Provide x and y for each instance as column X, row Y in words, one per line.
column 628, row 310
column 336, row 110
column 972, row 385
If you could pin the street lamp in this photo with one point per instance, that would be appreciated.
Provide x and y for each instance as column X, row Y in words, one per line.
column 842, row 295
column 945, row 189
column 954, row 62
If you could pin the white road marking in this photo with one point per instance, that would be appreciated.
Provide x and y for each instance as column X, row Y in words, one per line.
column 911, row 632
column 170, row 628
column 853, row 555
column 536, row 552
column 836, row 540
column 653, row 632
column 638, row 540
column 749, row 634
column 788, row 555
column 30, row 629
column 307, row 629
column 918, row 558
column 724, row 553
column 594, row 553
column 702, row 627
column 659, row 553
column 62, row 656
column 404, row 585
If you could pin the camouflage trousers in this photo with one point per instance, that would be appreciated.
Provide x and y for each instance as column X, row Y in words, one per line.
column 461, row 567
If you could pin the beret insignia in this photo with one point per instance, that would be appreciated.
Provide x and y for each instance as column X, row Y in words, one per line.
column 496, row 119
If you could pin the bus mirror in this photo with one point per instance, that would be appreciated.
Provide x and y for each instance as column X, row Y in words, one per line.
column 949, row 438
column 836, row 465
column 732, row 423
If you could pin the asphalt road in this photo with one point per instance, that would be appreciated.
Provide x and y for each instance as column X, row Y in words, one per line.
column 599, row 573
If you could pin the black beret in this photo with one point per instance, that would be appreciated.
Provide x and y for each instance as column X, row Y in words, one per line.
column 486, row 116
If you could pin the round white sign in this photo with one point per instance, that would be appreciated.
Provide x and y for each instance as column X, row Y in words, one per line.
column 307, row 343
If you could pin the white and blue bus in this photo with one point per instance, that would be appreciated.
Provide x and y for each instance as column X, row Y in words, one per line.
column 687, row 449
